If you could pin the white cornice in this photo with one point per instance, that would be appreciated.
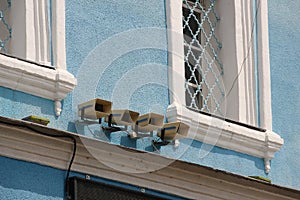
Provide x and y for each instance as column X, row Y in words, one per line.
column 228, row 135
column 53, row 84
column 146, row 170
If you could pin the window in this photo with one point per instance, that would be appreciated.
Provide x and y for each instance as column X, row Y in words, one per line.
column 192, row 49
column 5, row 29
column 203, row 69
column 218, row 53
column 32, row 33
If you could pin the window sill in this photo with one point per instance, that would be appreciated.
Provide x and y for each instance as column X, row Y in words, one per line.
column 35, row 80
column 228, row 135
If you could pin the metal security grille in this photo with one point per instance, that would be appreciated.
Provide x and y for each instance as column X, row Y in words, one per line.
column 5, row 29
column 203, row 68
column 82, row 189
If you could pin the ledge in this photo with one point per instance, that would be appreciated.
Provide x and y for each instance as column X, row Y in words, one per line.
column 28, row 77
column 18, row 140
column 232, row 136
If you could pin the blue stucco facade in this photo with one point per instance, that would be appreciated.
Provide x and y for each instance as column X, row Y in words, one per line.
column 284, row 34
column 89, row 25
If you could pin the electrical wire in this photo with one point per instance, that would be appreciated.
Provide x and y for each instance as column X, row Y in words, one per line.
column 248, row 50
column 55, row 136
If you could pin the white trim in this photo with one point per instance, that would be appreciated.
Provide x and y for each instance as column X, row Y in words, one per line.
column 58, row 34
column 264, row 66
column 227, row 135
column 30, row 31
column 243, row 96
column 31, row 18
column 178, row 178
column 35, row 80
column 176, row 51
column 42, row 32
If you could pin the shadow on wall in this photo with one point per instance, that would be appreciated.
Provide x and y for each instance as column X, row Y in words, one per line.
column 188, row 150
column 18, row 104
column 207, row 154
column 72, row 127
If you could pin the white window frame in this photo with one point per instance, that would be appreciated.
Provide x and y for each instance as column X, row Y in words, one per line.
column 30, row 41
column 242, row 98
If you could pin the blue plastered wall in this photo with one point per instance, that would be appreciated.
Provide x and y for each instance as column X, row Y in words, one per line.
column 90, row 23
column 284, row 34
column 24, row 180
column 18, row 105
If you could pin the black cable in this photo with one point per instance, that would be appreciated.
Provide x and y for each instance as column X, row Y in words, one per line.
column 69, row 168
column 56, row 136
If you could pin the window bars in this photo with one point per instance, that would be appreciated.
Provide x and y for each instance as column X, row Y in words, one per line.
column 203, row 68
column 5, row 29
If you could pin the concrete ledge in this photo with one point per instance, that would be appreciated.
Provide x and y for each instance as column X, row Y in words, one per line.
column 18, row 140
column 228, row 135
column 30, row 78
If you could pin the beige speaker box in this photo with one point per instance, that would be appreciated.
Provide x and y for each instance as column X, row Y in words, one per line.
column 174, row 130
column 150, row 122
column 94, row 109
column 123, row 117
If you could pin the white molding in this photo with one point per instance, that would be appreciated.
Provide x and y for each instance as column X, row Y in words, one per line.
column 42, row 36
column 171, row 176
column 30, row 31
column 228, row 135
column 264, row 65
column 31, row 18
column 53, row 84
column 245, row 87
column 175, row 51
column 58, row 34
